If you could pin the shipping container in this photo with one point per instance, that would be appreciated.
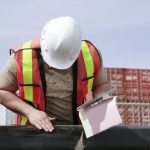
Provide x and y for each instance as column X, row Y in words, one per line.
column 133, row 91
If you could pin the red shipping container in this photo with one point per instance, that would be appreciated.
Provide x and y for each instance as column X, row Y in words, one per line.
column 133, row 91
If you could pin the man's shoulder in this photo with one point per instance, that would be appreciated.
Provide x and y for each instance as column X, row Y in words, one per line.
column 34, row 44
column 8, row 79
column 11, row 60
column 10, row 65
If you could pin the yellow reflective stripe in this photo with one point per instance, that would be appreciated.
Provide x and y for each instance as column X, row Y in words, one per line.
column 27, row 71
column 24, row 120
column 88, row 64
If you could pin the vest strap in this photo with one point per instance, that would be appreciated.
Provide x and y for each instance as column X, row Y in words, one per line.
column 27, row 75
column 27, row 71
column 89, row 65
column 41, row 71
column 74, row 93
column 23, row 120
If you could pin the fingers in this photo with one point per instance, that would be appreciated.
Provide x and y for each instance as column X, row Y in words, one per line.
column 40, row 120
column 37, row 125
column 47, row 125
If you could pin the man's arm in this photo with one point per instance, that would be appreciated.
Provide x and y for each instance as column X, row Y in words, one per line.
column 9, row 99
column 100, row 88
column 37, row 118
column 102, row 83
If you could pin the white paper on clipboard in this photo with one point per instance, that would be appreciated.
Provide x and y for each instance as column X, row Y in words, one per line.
column 100, row 117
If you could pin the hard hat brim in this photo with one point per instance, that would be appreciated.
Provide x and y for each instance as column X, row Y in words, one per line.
column 58, row 63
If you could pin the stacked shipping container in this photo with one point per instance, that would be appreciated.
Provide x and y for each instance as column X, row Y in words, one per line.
column 133, row 89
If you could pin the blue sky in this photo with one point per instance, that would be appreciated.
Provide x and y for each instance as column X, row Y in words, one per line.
column 120, row 28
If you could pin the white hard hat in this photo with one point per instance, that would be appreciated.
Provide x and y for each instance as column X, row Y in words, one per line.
column 61, row 42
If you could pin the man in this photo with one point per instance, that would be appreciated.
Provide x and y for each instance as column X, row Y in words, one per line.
column 53, row 75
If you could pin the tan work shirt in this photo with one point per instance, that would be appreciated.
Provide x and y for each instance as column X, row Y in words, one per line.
column 59, row 89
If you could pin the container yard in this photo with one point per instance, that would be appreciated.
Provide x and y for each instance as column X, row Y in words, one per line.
column 133, row 91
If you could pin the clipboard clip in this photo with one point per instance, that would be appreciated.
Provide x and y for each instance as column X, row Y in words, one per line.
column 103, row 96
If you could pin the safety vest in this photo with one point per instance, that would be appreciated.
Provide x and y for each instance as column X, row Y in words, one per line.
column 31, row 77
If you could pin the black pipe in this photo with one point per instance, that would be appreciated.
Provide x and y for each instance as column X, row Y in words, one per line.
column 69, row 137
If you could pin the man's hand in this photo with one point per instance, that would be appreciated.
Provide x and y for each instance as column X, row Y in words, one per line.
column 37, row 118
column 41, row 120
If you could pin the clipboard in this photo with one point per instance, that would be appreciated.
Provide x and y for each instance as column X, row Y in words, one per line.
column 99, row 114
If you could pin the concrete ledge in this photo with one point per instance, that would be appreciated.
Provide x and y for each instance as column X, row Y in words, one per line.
column 69, row 138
